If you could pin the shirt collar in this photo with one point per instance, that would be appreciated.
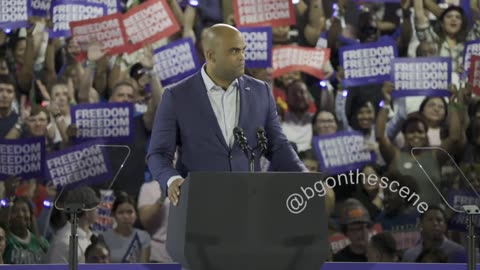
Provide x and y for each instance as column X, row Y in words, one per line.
column 209, row 84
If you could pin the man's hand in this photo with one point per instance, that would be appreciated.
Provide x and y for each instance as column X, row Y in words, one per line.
column 174, row 190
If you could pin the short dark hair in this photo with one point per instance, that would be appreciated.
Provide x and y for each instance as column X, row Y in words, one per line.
column 37, row 109
column 8, row 79
column 385, row 242
column 415, row 117
column 96, row 241
column 432, row 208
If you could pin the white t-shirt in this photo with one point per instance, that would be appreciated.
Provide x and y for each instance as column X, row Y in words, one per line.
column 59, row 246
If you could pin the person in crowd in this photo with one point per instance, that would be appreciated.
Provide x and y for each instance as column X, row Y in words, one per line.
column 355, row 223
column 126, row 243
column 370, row 194
column 297, row 122
column 222, row 77
column 415, row 132
column 433, row 226
column 153, row 208
column 59, row 248
column 324, row 123
column 3, row 241
column 97, row 252
column 8, row 117
column 24, row 244
column 382, row 248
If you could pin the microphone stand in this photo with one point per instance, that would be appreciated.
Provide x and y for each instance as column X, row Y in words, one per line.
column 471, row 210
column 73, row 209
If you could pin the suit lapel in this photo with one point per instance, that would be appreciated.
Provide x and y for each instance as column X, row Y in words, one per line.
column 244, row 92
column 207, row 110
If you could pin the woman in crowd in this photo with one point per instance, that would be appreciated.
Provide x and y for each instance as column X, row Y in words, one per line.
column 97, row 251
column 24, row 245
column 127, row 244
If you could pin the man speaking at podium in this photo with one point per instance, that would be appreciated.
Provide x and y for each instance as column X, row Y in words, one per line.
column 200, row 114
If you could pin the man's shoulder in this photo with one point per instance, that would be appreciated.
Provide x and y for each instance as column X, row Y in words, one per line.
column 252, row 81
column 185, row 83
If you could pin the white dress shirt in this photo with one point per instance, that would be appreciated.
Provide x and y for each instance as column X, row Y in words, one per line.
column 225, row 105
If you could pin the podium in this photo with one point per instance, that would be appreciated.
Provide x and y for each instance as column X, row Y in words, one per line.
column 240, row 220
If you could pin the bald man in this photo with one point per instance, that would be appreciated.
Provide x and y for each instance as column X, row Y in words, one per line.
column 198, row 115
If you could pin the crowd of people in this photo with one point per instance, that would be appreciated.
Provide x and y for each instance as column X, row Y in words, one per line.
column 42, row 77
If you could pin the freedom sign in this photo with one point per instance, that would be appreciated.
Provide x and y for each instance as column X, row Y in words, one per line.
column 342, row 152
column 108, row 30
column 474, row 76
column 22, row 157
column 112, row 122
column 471, row 48
column 81, row 164
column 265, row 12
column 258, row 40
column 367, row 63
column 292, row 58
column 423, row 76
column 149, row 23
column 14, row 13
column 63, row 12
column 458, row 198
column 113, row 6
column 175, row 61
column 40, row 8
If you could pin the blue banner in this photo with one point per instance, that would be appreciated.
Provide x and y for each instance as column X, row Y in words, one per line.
column 471, row 48
column 113, row 6
column 78, row 165
column 259, row 46
column 342, row 152
column 423, row 76
column 458, row 198
column 24, row 158
column 62, row 12
column 175, row 61
column 40, row 8
column 367, row 63
column 14, row 13
column 112, row 122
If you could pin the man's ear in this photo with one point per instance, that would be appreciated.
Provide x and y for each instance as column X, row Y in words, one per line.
column 210, row 56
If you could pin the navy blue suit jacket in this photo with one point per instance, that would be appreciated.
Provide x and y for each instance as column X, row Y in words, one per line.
column 185, row 118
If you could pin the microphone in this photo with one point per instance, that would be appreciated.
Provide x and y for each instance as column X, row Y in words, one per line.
column 240, row 138
column 262, row 140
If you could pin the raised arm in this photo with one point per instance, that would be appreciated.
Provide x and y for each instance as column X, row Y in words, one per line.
column 388, row 150
column 316, row 22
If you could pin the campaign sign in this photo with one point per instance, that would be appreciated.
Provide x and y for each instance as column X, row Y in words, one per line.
column 22, row 157
column 113, row 6
column 293, row 58
column 81, row 164
column 471, row 48
column 342, row 152
column 148, row 23
column 474, row 76
column 112, row 122
column 14, row 13
column 108, row 30
column 258, row 40
column 265, row 12
column 175, row 61
column 458, row 198
column 367, row 63
column 40, row 8
column 423, row 76
column 104, row 219
column 62, row 12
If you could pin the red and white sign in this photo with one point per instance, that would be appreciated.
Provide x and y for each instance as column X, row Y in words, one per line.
column 474, row 76
column 265, row 12
column 148, row 23
column 338, row 241
column 107, row 30
column 295, row 58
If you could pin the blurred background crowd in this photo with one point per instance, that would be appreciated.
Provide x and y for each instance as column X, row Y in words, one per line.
column 41, row 77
